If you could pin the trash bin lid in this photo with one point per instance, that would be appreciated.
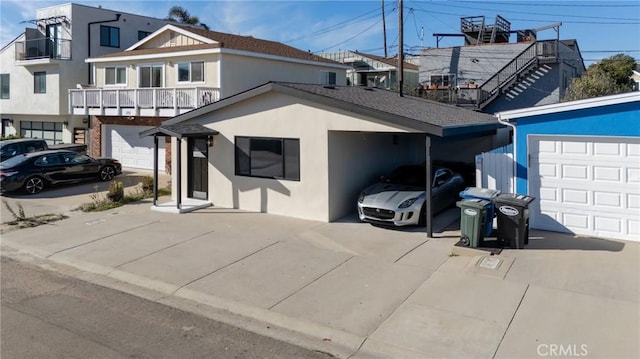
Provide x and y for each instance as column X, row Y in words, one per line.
column 477, row 192
column 473, row 203
column 513, row 199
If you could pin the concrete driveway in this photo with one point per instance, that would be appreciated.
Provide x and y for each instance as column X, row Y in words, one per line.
column 66, row 198
column 356, row 290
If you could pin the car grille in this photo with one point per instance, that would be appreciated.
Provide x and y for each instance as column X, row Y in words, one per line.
column 378, row 213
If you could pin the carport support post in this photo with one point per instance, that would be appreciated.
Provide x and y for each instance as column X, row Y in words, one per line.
column 155, row 171
column 428, row 201
column 179, row 169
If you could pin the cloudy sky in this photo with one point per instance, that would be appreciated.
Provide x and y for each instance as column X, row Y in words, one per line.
column 602, row 28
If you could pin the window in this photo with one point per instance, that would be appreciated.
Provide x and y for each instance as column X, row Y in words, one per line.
column 48, row 160
column 40, row 82
column 191, row 72
column 327, row 78
column 268, row 157
column 4, row 86
column 109, row 36
column 48, row 131
column 143, row 34
column 443, row 80
column 150, row 76
column 115, row 76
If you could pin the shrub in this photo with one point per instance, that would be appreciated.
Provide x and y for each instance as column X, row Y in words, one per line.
column 116, row 191
column 147, row 183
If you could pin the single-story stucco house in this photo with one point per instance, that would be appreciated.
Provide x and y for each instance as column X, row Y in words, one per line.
column 581, row 160
column 307, row 150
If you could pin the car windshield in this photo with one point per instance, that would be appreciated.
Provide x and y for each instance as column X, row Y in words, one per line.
column 13, row 161
column 408, row 176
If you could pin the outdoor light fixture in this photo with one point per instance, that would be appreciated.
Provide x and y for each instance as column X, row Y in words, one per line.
column 210, row 141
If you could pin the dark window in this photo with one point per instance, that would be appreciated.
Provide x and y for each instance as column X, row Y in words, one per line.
column 327, row 78
column 443, row 80
column 109, row 36
column 143, row 34
column 4, row 86
column 268, row 157
column 191, row 72
column 48, row 131
column 150, row 76
column 40, row 82
column 115, row 76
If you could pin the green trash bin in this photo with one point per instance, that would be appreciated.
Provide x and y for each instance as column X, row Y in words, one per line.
column 473, row 214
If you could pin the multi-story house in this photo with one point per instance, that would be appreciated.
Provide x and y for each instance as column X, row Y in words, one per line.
column 491, row 74
column 375, row 71
column 42, row 63
column 175, row 70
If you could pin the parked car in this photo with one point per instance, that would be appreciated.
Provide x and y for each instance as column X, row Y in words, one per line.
column 399, row 199
column 10, row 148
column 34, row 171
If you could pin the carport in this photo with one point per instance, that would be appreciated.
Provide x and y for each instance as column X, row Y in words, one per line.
column 343, row 137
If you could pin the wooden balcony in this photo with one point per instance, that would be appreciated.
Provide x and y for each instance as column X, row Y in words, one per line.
column 157, row 101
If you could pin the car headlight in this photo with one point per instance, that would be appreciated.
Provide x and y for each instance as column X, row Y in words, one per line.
column 361, row 197
column 408, row 202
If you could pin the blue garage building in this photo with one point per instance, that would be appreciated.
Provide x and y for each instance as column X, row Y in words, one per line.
column 581, row 160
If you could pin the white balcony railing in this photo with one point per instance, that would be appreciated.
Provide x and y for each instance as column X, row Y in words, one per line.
column 140, row 101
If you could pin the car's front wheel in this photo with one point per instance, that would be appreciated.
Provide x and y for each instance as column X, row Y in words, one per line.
column 34, row 185
column 107, row 173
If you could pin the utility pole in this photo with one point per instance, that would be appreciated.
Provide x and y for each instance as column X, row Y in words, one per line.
column 384, row 30
column 400, row 49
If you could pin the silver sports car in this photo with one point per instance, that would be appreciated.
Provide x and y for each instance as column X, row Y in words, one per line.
column 399, row 199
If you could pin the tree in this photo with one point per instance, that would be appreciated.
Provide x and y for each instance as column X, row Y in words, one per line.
column 181, row 15
column 609, row 76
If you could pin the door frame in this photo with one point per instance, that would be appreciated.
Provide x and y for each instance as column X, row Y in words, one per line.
column 191, row 175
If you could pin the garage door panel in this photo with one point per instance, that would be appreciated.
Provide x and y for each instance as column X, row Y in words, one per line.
column 125, row 144
column 586, row 185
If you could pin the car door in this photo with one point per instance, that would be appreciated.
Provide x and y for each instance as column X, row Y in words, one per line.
column 51, row 167
column 440, row 191
column 79, row 166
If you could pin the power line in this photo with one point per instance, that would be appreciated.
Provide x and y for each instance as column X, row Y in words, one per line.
column 555, row 4
column 533, row 13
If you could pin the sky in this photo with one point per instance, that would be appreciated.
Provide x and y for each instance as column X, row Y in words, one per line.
column 602, row 28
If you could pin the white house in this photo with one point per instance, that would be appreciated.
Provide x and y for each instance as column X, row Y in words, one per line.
column 307, row 150
column 42, row 63
column 175, row 70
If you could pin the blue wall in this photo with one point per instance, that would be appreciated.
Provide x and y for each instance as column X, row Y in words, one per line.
column 612, row 120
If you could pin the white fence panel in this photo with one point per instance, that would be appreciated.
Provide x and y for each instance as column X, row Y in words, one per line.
column 494, row 170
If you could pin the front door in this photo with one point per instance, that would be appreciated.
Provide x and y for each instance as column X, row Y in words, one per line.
column 54, row 33
column 198, row 168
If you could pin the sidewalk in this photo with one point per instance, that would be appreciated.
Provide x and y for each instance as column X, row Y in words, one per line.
column 356, row 290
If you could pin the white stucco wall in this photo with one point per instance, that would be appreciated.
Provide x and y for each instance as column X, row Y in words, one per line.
column 240, row 73
column 277, row 115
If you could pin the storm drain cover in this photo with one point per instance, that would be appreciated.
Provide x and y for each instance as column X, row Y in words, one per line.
column 489, row 262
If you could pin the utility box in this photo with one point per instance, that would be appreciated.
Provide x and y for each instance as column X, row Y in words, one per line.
column 512, row 211
column 473, row 213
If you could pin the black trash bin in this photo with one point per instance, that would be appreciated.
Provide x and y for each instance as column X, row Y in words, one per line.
column 512, row 211
column 473, row 216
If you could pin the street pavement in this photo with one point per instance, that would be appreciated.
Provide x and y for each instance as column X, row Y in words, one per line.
column 356, row 290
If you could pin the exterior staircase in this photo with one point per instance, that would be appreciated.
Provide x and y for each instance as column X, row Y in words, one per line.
column 516, row 70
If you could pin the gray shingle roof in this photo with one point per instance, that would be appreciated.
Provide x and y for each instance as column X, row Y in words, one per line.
column 410, row 107
column 412, row 113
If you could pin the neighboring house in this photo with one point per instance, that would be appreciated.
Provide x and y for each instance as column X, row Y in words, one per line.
column 307, row 151
column 375, row 71
column 635, row 76
column 494, row 76
column 581, row 161
column 41, row 64
column 175, row 70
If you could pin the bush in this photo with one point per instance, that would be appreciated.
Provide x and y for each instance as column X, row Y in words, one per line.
column 147, row 183
column 116, row 191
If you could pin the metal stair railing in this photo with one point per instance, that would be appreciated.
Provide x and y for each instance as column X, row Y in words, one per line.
column 491, row 88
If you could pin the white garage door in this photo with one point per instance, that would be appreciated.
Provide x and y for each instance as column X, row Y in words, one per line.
column 586, row 185
column 124, row 143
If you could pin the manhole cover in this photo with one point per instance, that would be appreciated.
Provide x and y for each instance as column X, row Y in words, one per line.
column 489, row 262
